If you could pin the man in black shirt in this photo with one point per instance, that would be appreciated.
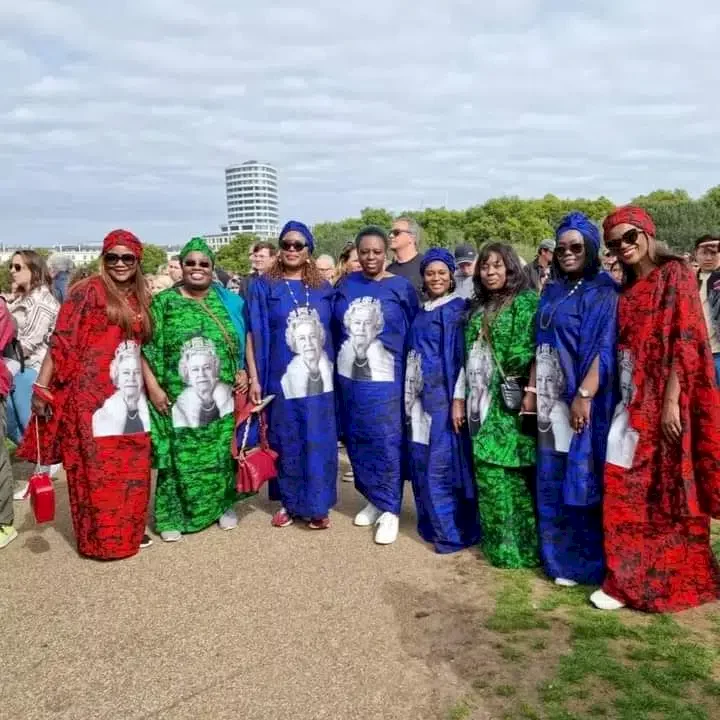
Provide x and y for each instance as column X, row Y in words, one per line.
column 404, row 241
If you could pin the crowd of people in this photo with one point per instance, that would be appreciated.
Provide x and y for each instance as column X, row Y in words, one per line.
column 561, row 413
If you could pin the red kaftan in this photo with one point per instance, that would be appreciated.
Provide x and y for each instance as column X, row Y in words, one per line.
column 100, row 426
column 658, row 497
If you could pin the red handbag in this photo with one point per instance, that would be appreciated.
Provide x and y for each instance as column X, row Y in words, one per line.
column 257, row 465
column 40, row 489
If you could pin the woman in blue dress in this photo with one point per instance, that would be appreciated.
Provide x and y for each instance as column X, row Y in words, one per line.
column 373, row 311
column 439, row 451
column 290, row 310
column 574, row 386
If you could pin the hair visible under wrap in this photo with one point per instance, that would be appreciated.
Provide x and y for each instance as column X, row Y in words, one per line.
column 303, row 229
column 630, row 215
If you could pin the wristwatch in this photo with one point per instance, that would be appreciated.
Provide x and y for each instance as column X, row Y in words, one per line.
column 584, row 394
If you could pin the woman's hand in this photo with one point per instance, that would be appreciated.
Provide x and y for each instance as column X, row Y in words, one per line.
column 159, row 399
column 255, row 392
column 580, row 413
column 458, row 415
column 40, row 407
column 670, row 421
column 529, row 404
column 241, row 381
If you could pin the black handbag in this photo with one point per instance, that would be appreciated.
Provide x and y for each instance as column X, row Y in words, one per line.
column 512, row 387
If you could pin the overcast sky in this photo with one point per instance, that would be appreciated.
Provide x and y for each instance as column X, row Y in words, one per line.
column 128, row 119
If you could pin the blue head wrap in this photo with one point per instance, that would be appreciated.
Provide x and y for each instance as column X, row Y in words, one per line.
column 580, row 222
column 438, row 255
column 303, row 229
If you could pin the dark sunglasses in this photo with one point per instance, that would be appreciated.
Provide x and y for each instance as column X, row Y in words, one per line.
column 295, row 245
column 113, row 259
column 575, row 248
column 197, row 263
column 630, row 237
column 16, row 267
column 396, row 232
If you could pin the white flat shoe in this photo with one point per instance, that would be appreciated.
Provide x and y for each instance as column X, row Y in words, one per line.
column 228, row 520
column 387, row 529
column 22, row 493
column 603, row 601
column 564, row 582
column 367, row 516
column 171, row 535
column 348, row 476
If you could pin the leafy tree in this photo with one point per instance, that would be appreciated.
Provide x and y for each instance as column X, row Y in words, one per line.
column 234, row 257
column 681, row 224
column 662, row 197
column 153, row 257
column 712, row 196
column 5, row 279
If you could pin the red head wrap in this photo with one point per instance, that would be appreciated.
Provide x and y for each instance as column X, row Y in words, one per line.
column 630, row 215
column 126, row 238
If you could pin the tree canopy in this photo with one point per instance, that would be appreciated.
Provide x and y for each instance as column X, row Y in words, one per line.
column 234, row 257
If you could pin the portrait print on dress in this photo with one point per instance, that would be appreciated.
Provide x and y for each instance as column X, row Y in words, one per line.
column 622, row 439
column 362, row 355
column 310, row 372
column 479, row 372
column 416, row 417
column 125, row 412
column 553, row 413
column 204, row 398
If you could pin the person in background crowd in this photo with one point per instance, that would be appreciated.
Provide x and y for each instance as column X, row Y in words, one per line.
column 326, row 267
column 707, row 253
column 500, row 343
column 348, row 262
column 572, row 390
column 290, row 315
column 404, row 242
column 262, row 258
column 195, row 361
column 174, row 270
column 465, row 258
column 662, row 479
column 7, row 532
column 81, row 273
column 374, row 310
column 160, row 283
column 608, row 260
column 90, row 377
column 440, row 460
column 539, row 271
column 61, row 268
column 617, row 273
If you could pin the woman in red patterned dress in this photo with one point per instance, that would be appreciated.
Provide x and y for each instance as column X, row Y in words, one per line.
column 91, row 391
column 662, row 478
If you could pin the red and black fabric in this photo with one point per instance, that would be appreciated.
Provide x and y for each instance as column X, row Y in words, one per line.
column 657, row 514
column 108, row 477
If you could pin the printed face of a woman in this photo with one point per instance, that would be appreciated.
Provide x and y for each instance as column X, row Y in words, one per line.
column 307, row 344
column 363, row 330
column 201, row 372
column 129, row 381
column 547, row 387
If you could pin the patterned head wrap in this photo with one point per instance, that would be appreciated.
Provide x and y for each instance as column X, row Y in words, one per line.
column 197, row 244
column 123, row 237
column 580, row 222
column 630, row 215
column 303, row 229
column 438, row 255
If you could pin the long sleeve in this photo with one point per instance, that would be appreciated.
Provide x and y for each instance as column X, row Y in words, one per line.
column 36, row 316
column 154, row 350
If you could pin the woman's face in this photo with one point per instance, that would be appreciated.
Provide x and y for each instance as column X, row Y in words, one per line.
column 570, row 252
column 371, row 255
column 353, row 264
column 20, row 273
column 493, row 273
column 197, row 271
column 630, row 244
column 437, row 279
column 293, row 250
column 121, row 264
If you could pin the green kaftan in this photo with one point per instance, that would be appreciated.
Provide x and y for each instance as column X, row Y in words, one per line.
column 192, row 445
column 502, row 454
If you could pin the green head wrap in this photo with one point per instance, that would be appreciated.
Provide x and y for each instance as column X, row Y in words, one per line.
column 197, row 244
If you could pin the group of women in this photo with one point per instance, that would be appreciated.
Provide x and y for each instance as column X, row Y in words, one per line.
column 577, row 429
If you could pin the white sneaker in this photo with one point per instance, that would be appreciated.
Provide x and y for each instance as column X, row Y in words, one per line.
column 564, row 582
column 22, row 493
column 367, row 516
column 7, row 534
column 387, row 529
column 228, row 521
column 171, row 535
column 603, row 601
column 348, row 476
column 55, row 469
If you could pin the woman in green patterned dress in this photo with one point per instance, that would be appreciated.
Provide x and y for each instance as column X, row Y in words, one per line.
column 193, row 365
column 500, row 331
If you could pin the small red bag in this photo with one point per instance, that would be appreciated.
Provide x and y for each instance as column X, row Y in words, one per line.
column 40, row 488
column 258, row 465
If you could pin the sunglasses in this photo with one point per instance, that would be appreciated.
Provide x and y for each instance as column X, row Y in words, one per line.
column 575, row 248
column 396, row 232
column 630, row 237
column 295, row 245
column 198, row 263
column 112, row 259
column 16, row 267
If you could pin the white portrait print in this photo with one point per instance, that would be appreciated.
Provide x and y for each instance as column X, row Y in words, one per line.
column 204, row 398
column 310, row 372
column 478, row 372
column 418, row 420
column 622, row 439
column 126, row 411
column 553, row 413
column 362, row 356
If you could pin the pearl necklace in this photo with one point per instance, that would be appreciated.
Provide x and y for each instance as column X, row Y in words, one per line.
column 294, row 299
column 545, row 322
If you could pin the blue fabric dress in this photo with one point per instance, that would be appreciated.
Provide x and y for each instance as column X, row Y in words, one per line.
column 294, row 355
column 439, row 459
column 372, row 321
column 573, row 327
